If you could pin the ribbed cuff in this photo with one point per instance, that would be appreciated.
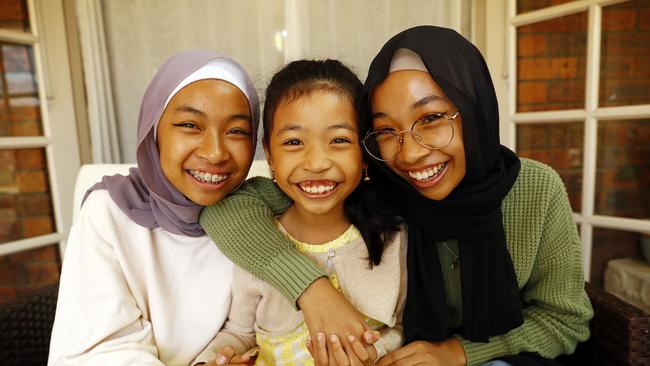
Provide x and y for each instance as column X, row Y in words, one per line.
column 478, row 353
column 291, row 273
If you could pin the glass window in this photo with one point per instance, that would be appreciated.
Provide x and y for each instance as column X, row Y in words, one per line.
column 611, row 244
column 14, row 15
column 25, row 202
column 20, row 113
column 551, row 64
column 559, row 145
column 625, row 54
column 530, row 5
column 27, row 271
column 623, row 169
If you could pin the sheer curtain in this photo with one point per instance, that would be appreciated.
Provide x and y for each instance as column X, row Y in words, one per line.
column 261, row 34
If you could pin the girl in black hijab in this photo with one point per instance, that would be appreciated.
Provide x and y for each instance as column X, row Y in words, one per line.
column 494, row 262
column 432, row 125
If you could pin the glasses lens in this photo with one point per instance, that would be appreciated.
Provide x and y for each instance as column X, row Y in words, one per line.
column 434, row 133
column 381, row 145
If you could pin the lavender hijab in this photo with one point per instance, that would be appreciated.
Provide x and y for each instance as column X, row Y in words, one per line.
column 145, row 195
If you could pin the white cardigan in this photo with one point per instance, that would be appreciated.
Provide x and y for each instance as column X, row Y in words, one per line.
column 135, row 296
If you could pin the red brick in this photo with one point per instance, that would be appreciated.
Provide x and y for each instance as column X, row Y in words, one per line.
column 531, row 45
column 619, row 19
column 25, row 113
column 644, row 20
column 12, row 10
column 29, row 181
column 641, row 67
column 37, row 226
column 531, row 92
column 12, row 273
column 628, row 44
column 624, row 91
column 571, row 23
column 34, row 204
column 566, row 91
column 549, row 107
column 617, row 67
column 49, row 253
column 42, row 273
column 30, row 158
column 547, row 68
column 26, row 128
column 567, row 44
column 608, row 245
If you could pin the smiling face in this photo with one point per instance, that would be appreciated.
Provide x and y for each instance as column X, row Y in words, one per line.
column 407, row 96
column 205, row 139
column 315, row 153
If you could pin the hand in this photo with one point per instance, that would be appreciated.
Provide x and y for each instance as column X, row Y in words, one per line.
column 327, row 311
column 446, row 353
column 333, row 352
column 228, row 356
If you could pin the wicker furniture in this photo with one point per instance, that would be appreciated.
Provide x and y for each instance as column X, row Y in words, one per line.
column 620, row 332
column 25, row 327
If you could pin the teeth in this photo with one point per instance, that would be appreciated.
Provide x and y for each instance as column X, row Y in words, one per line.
column 427, row 173
column 317, row 189
column 207, row 177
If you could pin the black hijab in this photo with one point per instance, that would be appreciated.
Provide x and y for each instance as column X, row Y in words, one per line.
column 471, row 213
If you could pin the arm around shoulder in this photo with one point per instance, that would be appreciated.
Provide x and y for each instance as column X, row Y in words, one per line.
column 243, row 228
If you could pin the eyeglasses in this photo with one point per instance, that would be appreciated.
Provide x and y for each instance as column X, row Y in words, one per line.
column 434, row 132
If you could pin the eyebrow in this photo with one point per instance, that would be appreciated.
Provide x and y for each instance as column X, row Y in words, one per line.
column 426, row 100
column 297, row 127
column 188, row 109
column 416, row 105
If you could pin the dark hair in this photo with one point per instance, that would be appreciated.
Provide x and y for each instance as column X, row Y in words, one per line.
column 377, row 224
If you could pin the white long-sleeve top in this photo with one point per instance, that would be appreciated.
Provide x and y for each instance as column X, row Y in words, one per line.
column 136, row 296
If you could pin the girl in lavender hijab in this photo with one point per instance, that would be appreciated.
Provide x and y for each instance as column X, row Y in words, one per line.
column 137, row 260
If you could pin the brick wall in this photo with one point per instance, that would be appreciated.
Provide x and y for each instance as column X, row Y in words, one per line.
column 27, row 271
column 551, row 64
column 25, row 211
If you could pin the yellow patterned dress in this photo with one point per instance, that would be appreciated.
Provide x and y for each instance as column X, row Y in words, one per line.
column 289, row 349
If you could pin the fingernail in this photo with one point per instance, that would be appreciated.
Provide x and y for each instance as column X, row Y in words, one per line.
column 351, row 338
column 308, row 343
column 334, row 338
column 367, row 337
column 320, row 337
column 221, row 360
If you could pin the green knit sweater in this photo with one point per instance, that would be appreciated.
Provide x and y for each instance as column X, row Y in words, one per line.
column 542, row 240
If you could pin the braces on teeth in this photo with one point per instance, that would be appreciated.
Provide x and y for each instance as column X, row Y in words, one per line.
column 207, row 177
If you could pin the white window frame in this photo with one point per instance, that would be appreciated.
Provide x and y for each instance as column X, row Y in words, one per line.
column 501, row 56
column 48, row 38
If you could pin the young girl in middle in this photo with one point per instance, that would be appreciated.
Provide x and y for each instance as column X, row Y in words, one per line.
column 312, row 143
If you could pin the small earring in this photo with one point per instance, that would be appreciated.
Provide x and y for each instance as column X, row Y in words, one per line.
column 366, row 177
column 273, row 176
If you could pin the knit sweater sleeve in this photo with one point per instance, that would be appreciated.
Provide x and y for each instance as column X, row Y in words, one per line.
column 242, row 226
column 556, row 307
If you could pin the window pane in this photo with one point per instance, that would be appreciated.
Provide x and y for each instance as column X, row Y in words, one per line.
column 625, row 52
column 559, row 145
column 25, row 202
column 551, row 63
column 530, row 5
column 14, row 15
column 623, row 169
column 609, row 244
column 27, row 271
column 20, row 113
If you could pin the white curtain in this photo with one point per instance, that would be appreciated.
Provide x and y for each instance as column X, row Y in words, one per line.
column 261, row 34
column 105, row 145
